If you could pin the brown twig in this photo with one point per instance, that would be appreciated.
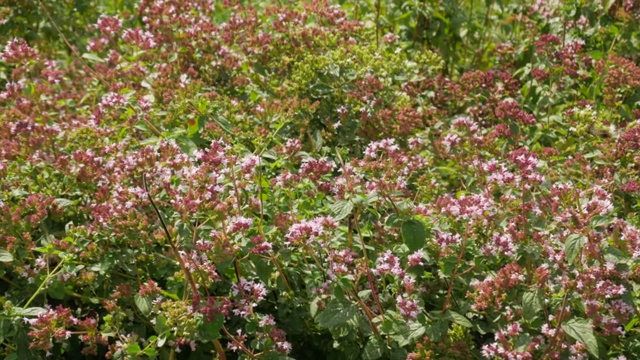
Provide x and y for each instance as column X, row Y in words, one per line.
column 174, row 247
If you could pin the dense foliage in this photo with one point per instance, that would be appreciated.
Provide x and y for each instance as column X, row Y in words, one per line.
column 362, row 180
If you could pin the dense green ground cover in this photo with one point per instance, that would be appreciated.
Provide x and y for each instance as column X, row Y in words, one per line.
column 361, row 180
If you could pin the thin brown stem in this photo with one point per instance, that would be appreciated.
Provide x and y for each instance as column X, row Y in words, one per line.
column 368, row 312
column 372, row 286
column 173, row 245
column 238, row 343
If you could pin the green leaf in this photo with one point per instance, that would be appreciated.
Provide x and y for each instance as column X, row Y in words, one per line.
column 192, row 126
column 63, row 203
column 373, row 350
column 336, row 313
column 437, row 329
column 320, row 90
column 581, row 330
column 144, row 304
column 459, row 319
column 341, row 209
column 522, row 342
column 631, row 324
column 187, row 145
column 596, row 54
column 317, row 139
column 195, row 125
column 210, row 331
column 56, row 290
column 531, row 304
column 150, row 352
column 31, row 311
column 573, row 246
column 600, row 220
column 416, row 330
column 313, row 306
column 22, row 342
column 5, row 256
column 414, row 234
column 133, row 349
column 161, row 341
column 448, row 265
column 93, row 57
column 223, row 123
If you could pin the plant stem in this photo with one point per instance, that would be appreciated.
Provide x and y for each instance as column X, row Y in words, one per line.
column 53, row 273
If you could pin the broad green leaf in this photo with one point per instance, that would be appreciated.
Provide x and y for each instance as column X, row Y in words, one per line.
column 223, row 123
column 336, row 313
column 573, row 246
column 317, row 139
column 416, row 330
column 93, row 57
column 437, row 329
column 187, row 145
column 581, row 330
column 414, row 234
column 531, row 304
column 193, row 127
column 56, row 290
column 161, row 324
column 459, row 319
column 144, row 304
column 596, row 54
column 31, row 311
column 21, row 344
column 448, row 265
column 631, row 324
column 133, row 349
column 599, row 220
column 150, row 351
column 373, row 350
column 210, row 331
column 5, row 256
column 341, row 209
column 313, row 306
column 63, row 203
column 320, row 90
column 522, row 342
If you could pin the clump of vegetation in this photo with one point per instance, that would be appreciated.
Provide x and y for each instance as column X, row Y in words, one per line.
column 366, row 180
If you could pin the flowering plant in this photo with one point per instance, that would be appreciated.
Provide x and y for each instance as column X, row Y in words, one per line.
column 198, row 179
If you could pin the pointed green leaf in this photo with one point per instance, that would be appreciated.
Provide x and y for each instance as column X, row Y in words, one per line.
column 210, row 331
column 573, row 246
column 223, row 123
column 144, row 304
column 336, row 313
column 5, row 256
column 414, row 234
column 63, row 203
column 56, row 290
column 31, row 311
column 93, row 57
column 341, row 209
column 459, row 319
column 581, row 330
column 373, row 350
column 531, row 304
